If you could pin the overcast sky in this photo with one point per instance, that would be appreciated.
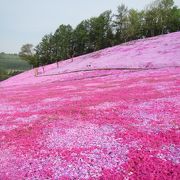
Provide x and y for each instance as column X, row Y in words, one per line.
column 27, row 21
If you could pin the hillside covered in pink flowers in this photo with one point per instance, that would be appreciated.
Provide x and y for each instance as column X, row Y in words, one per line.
column 112, row 114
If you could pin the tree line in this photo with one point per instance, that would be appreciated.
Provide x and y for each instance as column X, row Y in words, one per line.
column 106, row 30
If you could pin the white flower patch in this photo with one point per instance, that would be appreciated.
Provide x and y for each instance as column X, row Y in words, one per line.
column 159, row 103
column 5, row 156
column 100, row 149
column 75, row 98
column 104, row 106
column 98, row 160
column 99, row 90
column 164, row 86
column 92, row 84
column 171, row 153
column 67, row 139
column 153, row 116
column 53, row 99
column 6, row 108
column 81, row 134
column 69, row 87
column 34, row 108
column 13, row 109
column 28, row 119
column 25, row 109
column 7, row 127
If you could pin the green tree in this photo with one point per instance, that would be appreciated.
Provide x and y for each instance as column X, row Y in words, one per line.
column 44, row 50
column 121, row 24
column 174, row 20
column 81, row 36
column 161, row 17
column 134, row 28
column 101, row 33
column 107, row 26
column 27, row 53
column 63, row 39
column 26, row 50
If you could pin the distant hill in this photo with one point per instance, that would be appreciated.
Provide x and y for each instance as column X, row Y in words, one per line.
column 11, row 64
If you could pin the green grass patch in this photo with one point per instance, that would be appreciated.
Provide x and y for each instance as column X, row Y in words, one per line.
column 12, row 64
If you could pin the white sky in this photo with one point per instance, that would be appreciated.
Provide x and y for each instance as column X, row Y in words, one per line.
column 27, row 21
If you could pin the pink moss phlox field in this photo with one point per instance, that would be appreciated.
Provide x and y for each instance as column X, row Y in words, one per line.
column 98, row 124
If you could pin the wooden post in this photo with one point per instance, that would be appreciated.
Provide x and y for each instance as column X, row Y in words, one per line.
column 36, row 72
column 43, row 69
column 57, row 63
column 71, row 57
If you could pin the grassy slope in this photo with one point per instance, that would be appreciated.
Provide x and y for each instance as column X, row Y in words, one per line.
column 11, row 64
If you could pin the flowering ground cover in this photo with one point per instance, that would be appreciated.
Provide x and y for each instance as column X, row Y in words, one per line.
column 114, row 118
